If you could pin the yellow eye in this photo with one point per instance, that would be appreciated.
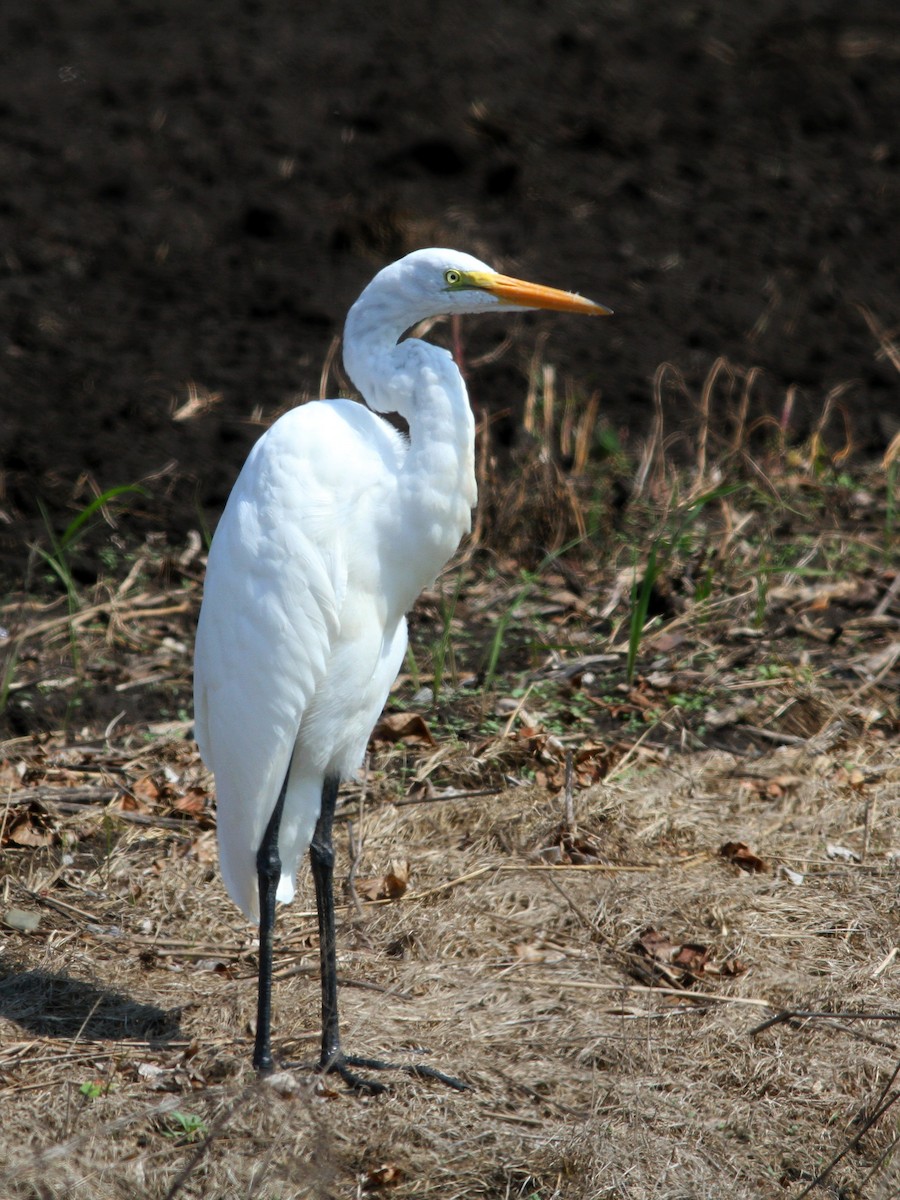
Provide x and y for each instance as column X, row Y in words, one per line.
column 452, row 278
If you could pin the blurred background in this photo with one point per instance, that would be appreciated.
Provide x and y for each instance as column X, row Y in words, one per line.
column 193, row 195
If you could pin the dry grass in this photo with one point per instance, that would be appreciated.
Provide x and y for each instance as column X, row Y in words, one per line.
column 511, row 974
column 764, row 714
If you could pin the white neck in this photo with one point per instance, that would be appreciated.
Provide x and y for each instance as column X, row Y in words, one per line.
column 421, row 383
column 371, row 335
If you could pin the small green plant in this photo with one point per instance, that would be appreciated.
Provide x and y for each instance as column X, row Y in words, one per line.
column 770, row 670
column 95, row 1088
column 693, row 702
column 57, row 557
column 7, row 674
column 530, row 580
column 762, row 590
column 640, row 602
column 185, row 1126
column 490, row 670
column 704, row 587
column 663, row 547
column 443, row 651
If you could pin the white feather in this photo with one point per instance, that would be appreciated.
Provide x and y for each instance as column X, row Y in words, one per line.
column 335, row 525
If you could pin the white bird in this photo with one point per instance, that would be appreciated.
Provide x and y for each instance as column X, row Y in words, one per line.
column 334, row 526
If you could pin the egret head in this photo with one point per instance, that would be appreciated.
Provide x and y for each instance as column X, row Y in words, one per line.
column 436, row 282
column 430, row 283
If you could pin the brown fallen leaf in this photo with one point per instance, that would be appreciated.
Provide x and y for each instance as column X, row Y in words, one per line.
column 389, row 886
column 772, row 786
column 676, row 964
column 30, row 825
column 564, row 846
column 145, row 789
column 853, row 777
column 550, row 854
column 592, row 762
column 204, row 848
column 779, row 784
column 125, row 802
column 192, row 802
column 421, row 789
column 692, row 957
column 11, row 775
column 385, row 1176
column 531, row 952
column 402, row 727
column 528, row 952
column 742, row 856
column 664, row 642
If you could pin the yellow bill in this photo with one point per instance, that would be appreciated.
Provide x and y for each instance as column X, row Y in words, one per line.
column 535, row 295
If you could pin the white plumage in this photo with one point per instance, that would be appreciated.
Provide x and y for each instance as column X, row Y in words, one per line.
column 335, row 525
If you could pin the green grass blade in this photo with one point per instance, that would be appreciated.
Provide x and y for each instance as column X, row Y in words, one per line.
column 640, row 602
column 76, row 525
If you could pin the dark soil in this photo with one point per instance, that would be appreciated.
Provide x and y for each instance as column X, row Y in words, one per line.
column 193, row 195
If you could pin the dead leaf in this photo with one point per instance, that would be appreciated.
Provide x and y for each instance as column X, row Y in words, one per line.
column 145, row 789
column 25, row 833
column 403, row 727
column 193, row 802
column 771, row 786
column 656, row 944
column 204, row 848
column 389, row 886
column 792, row 876
column 665, row 642
column 24, row 920
column 742, row 856
column 692, row 957
column 216, row 965
column 550, row 854
column 385, row 1176
column 285, row 1083
column 528, row 952
column 850, row 777
column 843, row 853
column 158, row 1079
column 30, row 826
column 779, row 784
column 125, row 802
column 567, row 847
column 422, row 789
column 676, row 964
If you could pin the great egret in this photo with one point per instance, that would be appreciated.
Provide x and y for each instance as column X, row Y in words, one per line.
column 334, row 526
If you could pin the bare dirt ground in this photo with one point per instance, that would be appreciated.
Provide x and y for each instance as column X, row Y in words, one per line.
column 196, row 197
column 636, row 794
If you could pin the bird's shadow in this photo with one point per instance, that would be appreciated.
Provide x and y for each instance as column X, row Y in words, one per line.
column 50, row 1004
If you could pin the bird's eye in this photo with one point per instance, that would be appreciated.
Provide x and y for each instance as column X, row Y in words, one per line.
column 452, row 278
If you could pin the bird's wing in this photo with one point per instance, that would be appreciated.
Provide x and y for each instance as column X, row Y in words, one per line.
column 275, row 585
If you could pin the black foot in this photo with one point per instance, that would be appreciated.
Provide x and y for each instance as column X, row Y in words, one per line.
column 370, row 1087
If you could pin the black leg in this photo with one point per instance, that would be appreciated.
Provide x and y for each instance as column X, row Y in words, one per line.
column 268, row 870
column 321, row 857
column 333, row 1059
